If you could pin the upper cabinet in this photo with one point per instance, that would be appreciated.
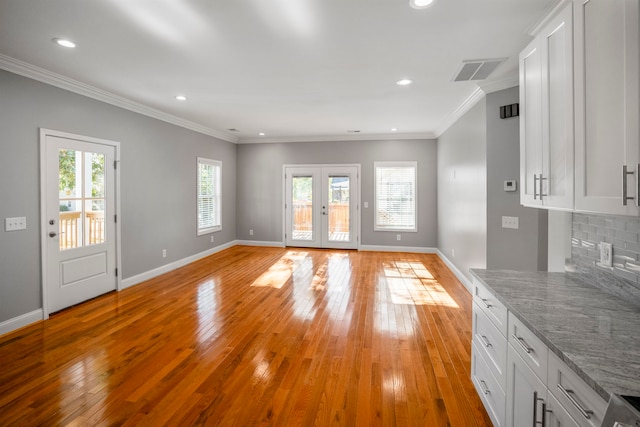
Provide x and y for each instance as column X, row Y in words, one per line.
column 546, row 120
column 607, row 96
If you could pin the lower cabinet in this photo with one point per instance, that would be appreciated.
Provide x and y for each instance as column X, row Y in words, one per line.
column 556, row 415
column 520, row 381
column 526, row 393
column 488, row 388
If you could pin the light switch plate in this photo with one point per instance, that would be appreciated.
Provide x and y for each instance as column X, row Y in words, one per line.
column 606, row 254
column 510, row 222
column 15, row 224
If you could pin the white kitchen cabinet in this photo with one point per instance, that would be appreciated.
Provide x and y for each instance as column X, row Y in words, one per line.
column 526, row 393
column 556, row 415
column 546, row 116
column 607, row 97
column 578, row 399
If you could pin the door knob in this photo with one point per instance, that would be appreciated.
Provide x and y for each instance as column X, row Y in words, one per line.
column 53, row 234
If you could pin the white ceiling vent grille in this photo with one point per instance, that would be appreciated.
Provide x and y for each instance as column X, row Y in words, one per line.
column 478, row 69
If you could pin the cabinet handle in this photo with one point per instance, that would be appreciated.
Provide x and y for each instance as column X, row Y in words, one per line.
column 522, row 343
column 625, row 196
column 486, row 303
column 485, row 341
column 568, row 393
column 638, row 185
column 484, row 387
column 535, row 410
column 535, row 186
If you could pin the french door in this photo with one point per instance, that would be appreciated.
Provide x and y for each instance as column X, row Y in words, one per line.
column 321, row 206
column 78, row 218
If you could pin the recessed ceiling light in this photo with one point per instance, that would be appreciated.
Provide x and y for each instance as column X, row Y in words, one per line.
column 394, row 129
column 261, row 134
column 64, row 42
column 181, row 97
column 404, row 82
column 420, row 4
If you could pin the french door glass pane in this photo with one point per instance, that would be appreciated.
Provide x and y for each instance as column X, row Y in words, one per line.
column 81, row 198
column 339, row 208
column 302, row 201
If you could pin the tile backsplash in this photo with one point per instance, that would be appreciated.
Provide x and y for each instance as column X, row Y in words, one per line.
column 588, row 231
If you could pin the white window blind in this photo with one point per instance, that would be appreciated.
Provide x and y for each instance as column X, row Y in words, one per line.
column 395, row 196
column 209, row 196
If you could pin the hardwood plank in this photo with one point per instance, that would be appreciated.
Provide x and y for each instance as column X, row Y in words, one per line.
column 255, row 337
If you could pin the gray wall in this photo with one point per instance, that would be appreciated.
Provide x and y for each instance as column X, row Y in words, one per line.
column 526, row 247
column 462, row 191
column 260, row 186
column 475, row 156
column 158, row 172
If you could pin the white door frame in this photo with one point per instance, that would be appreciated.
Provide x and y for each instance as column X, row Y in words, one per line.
column 43, row 207
column 355, row 199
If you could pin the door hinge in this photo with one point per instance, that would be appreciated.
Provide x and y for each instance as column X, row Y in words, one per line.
column 116, row 272
column 115, row 218
column 115, row 164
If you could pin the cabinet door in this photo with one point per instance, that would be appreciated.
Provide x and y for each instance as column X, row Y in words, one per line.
column 556, row 51
column 606, row 100
column 556, row 415
column 530, row 124
column 526, row 393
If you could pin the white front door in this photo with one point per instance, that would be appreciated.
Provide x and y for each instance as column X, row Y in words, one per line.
column 78, row 218
column 321, row 206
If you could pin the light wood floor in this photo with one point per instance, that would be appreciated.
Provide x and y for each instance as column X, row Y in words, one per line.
column 255, row 336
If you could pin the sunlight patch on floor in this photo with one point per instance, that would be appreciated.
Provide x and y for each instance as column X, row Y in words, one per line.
column 280, row 272
column 412, row 283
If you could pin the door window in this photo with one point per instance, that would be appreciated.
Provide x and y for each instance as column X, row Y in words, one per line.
column 81, row 198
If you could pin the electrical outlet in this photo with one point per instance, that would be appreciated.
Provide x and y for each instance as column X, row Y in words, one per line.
column 164, row 253
column 15, row 224
column 606, row 254
column 453, row 253
column 510, row 222
column 366, row 205
column 250, row 232
column 211, row 239
column 398, row 237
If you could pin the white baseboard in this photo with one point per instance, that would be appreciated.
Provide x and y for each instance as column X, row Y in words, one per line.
column 461, row 277
column 139, row 278
column 412, row 249
column 21, row 321
column 259, row 243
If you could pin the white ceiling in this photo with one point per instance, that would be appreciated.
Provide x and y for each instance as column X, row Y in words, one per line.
column 293, row 69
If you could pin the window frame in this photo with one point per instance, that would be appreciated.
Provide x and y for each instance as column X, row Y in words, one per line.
column 377, row 166
column 217, row 193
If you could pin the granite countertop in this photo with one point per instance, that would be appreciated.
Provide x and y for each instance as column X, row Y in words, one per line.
column 594, row 333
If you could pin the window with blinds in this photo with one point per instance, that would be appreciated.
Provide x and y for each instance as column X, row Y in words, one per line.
column 395, row 196
column 209, row 196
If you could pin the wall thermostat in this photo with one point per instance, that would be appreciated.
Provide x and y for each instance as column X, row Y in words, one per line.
column 510, row 185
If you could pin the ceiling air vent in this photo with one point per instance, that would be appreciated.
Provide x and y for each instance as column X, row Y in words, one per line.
column 478, row 69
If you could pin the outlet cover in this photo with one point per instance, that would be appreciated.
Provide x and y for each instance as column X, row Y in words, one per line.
column 606, row 254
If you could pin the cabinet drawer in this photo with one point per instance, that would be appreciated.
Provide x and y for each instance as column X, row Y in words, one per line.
column 490, row 393
column 581, row 401
column 491, row 343
column 532, row 350
column 494, row 309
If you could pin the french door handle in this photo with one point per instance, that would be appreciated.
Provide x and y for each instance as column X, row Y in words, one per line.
column 53, row 234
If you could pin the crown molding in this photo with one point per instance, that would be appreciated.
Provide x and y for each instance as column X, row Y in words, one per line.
column 493, row 86
column 45, row 76
column 475, row 96
column 345, row 138
column 551, row 11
